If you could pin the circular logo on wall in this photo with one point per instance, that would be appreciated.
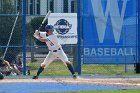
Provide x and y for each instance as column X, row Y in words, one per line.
column 62, row 26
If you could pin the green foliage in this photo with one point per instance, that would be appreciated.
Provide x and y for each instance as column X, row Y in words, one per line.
column 34, row 25
column 36, row 22
column 7, row 7
column 6, row 24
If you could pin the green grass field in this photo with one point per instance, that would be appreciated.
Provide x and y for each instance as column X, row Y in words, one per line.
column 111, row 91
column 57, row 68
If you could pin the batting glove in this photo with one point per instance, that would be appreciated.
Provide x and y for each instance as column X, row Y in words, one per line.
column 36, row 34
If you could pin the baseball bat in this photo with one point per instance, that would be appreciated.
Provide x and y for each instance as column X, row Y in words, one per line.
column 46, row 17
column 11, row 35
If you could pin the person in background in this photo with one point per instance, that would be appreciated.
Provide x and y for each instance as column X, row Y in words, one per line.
column 5, row 67
column 8, row 69
column 18, row 64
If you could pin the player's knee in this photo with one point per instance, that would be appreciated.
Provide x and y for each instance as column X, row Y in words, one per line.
column 43, row 65
column 68, row 63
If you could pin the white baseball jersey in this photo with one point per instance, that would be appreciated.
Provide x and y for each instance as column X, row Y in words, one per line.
column 55, row 48
column 52, row 43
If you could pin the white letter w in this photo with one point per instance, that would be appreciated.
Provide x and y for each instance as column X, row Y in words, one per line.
column 112, row 8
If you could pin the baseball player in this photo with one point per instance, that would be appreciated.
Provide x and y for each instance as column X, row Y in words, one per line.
column 55, row 50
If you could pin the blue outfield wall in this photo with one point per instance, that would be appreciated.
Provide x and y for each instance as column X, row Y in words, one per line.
column 110, row 31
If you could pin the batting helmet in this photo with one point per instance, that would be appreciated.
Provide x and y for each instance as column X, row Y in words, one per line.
column 49, row 27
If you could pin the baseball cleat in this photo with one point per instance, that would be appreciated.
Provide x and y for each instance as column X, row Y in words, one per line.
column 74, row 76
column 35, row 77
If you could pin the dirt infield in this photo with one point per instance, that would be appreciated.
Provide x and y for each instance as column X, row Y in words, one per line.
column 125, row 82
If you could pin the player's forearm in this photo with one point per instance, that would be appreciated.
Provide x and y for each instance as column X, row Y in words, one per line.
column 40, row 38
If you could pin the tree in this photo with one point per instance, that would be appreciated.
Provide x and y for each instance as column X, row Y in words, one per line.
column 6, row 24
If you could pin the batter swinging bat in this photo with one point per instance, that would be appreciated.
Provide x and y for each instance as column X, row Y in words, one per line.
column 46, row 17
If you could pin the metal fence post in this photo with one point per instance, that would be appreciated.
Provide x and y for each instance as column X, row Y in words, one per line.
column 79, row 35
column 24, row 34
column 138, row 63
column 75, row 55
column 138, row 30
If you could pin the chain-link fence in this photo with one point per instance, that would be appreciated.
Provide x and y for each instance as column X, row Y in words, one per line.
column 36, row 51
column 10, row 37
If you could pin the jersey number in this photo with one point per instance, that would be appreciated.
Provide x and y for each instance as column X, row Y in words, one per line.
column 51, row 43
